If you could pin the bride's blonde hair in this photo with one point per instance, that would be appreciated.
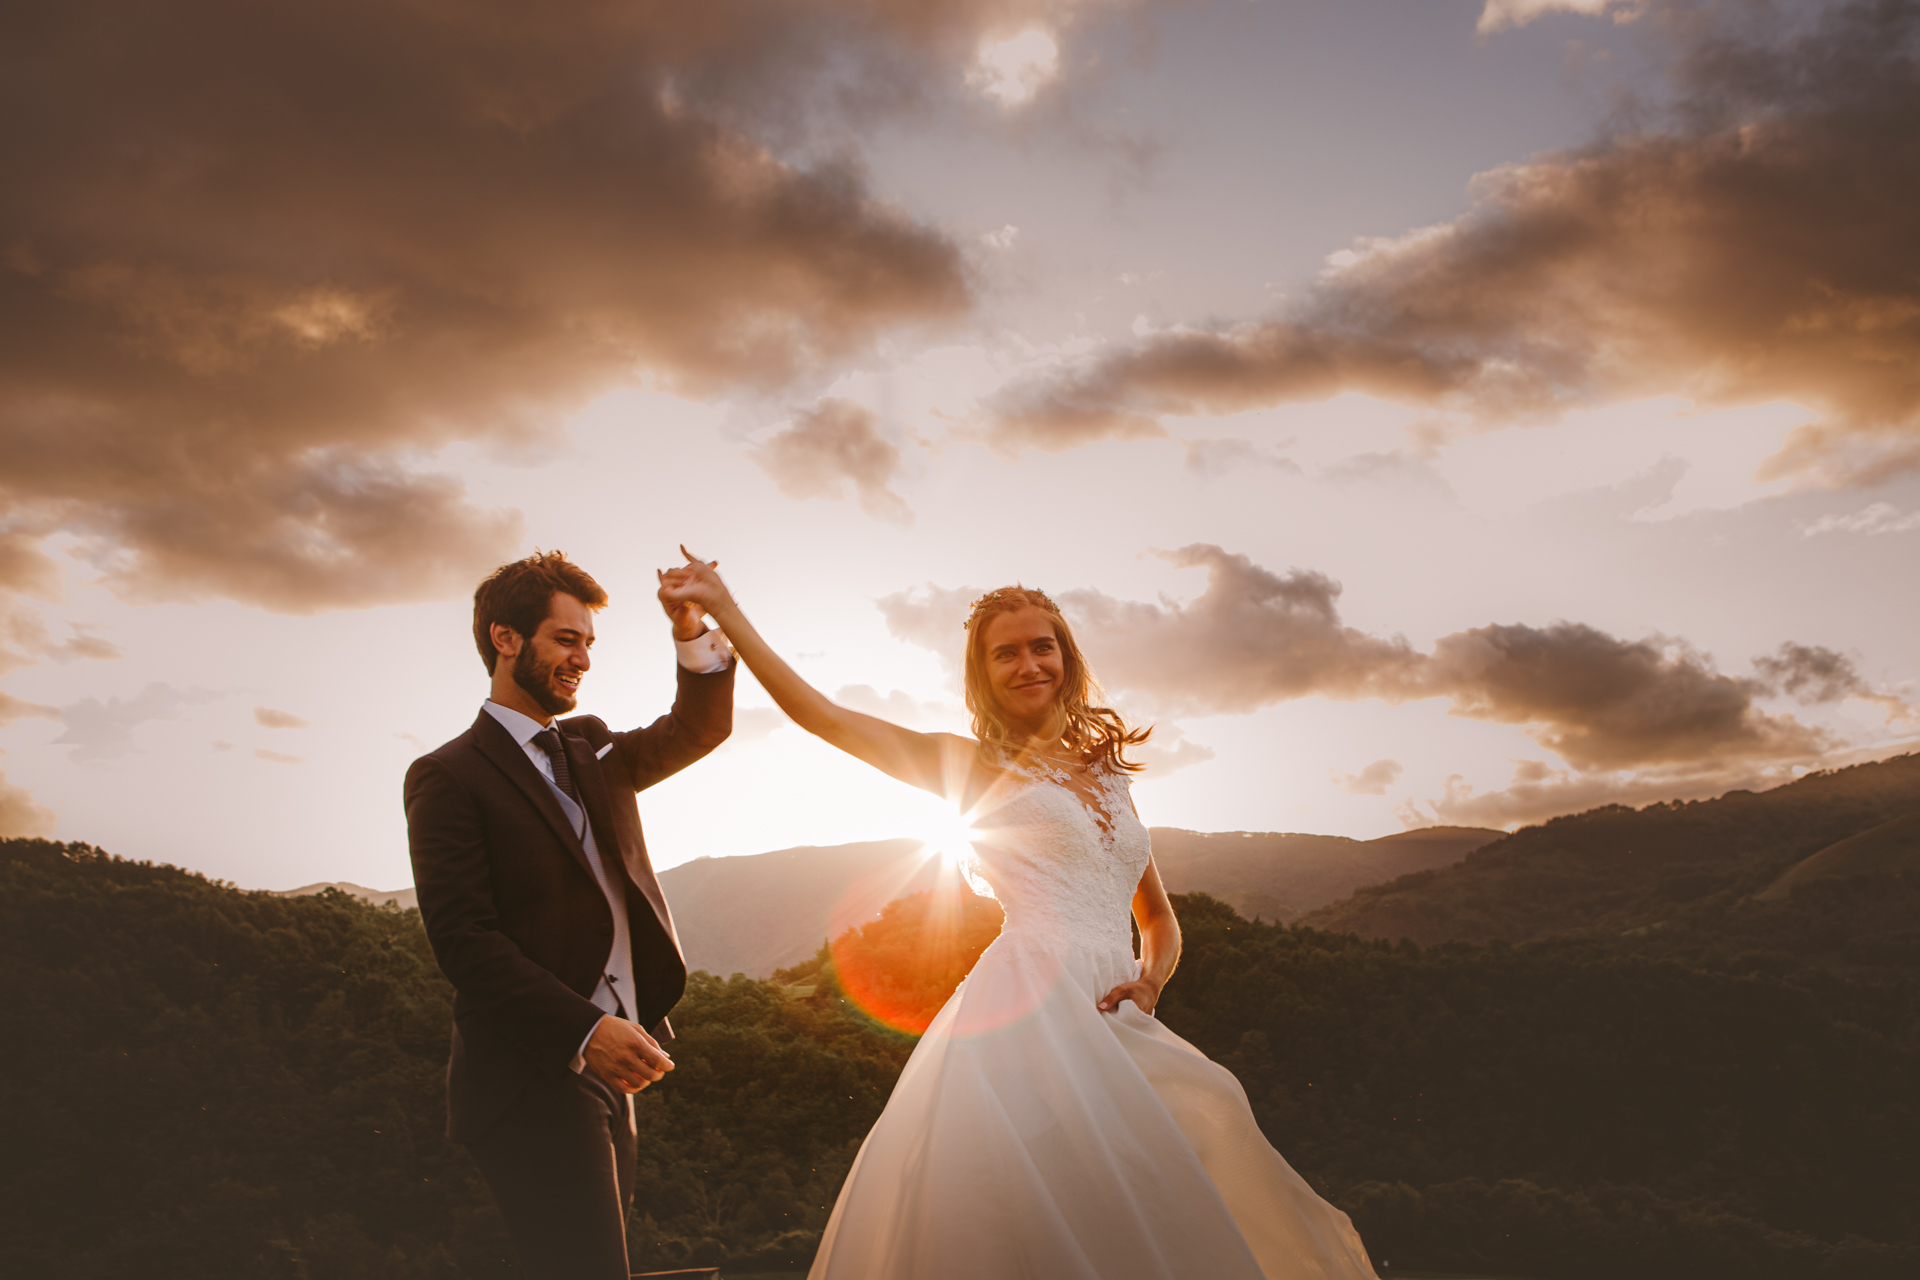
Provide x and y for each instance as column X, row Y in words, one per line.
column 1096, row 733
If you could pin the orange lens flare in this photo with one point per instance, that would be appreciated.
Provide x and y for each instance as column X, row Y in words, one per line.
column 900, row 968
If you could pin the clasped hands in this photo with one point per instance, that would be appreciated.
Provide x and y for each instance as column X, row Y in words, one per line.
column 689, row 591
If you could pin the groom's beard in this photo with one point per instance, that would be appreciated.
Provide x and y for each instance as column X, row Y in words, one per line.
column 537, row 682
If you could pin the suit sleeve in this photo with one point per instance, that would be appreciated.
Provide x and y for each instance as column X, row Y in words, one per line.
column 701, row 719
column 496, row 982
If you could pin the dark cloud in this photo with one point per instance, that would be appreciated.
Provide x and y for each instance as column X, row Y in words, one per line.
column 104, row 730
column 258, row 264
column 268, row 718
column 1600, row 702
column 835, row 446
column 1254, row 637
column 1370, row 781
column 1811, row 675
column 1755, row 245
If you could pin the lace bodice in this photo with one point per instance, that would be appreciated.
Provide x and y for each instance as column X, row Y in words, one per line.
column 1064, row 872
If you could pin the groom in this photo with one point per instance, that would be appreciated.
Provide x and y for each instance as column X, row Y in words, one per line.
column 544, row 912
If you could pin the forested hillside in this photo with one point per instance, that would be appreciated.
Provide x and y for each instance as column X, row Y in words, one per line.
column 204, row 1082
column 1681, row 876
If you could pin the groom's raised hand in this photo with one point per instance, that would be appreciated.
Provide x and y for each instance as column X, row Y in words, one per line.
column 684, row 612
column 691, row 589
column 625, row 1056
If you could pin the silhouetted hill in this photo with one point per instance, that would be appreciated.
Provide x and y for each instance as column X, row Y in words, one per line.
column 769, row 911
column 1279, row 877
column 766, row 911
column 204, row 1082
column 1892, row 849
column 1677, row 875
column 405, row 899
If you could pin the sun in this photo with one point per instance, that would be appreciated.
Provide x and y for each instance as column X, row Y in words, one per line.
column 947, row 833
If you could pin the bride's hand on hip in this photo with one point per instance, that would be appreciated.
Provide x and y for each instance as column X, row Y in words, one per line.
column 1143, row 994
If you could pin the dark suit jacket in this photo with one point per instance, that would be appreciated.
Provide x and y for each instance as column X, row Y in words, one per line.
column 511, row 906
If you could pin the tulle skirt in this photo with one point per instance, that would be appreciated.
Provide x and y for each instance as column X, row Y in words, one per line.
column 1032, row 1136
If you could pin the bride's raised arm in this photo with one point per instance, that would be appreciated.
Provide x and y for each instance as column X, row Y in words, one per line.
column 937, row 762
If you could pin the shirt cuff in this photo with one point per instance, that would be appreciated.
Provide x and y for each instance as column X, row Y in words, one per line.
column 579, row 1062
column 705, row 654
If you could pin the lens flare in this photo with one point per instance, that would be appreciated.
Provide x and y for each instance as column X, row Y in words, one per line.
column 900, row 968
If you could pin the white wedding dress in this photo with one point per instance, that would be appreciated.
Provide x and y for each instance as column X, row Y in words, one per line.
column 1033, row 1137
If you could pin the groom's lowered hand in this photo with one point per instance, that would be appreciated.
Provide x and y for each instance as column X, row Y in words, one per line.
column 625, row 1056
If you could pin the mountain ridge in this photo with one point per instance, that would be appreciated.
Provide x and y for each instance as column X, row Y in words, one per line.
column 756, row 913
column 1676, row 874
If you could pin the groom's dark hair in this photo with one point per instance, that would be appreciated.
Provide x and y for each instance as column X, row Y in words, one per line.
column 520, row 595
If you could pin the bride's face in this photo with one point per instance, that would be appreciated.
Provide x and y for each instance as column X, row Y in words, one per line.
column 1023, row 665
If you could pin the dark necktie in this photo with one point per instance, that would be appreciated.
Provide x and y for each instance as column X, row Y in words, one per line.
column 548, row 740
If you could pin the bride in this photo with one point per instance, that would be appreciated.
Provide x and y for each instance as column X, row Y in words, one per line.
column 1047, row 1127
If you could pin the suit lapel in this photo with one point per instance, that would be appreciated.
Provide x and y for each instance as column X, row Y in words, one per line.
column 497, row 745
column 593, row 791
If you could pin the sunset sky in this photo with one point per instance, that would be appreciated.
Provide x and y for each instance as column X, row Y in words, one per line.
column 1428, row 410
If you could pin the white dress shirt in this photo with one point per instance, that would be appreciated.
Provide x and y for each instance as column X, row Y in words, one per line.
column 702, row 655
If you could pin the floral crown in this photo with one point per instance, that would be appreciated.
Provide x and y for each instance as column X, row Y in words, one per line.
column 1023, row 595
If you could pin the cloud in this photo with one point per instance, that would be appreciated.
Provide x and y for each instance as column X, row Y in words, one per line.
column 1253, row 638
column 21, row 814
column 1755, row 246
column 751, row 724
column 1012, row 69
column 1169, row 751
column 1501, row 15
column 1875, row 518
column 932, row 617
column 268, row 718
column 1811, row 674
column 12, row 708
column 1250, row 639
column 902, row 708
column 1370, row 781
column 277, row 757
column 26, row 640
column 1538, row 791
column 837, row 444
column 1212, row 458
column 104, row 730
column 250, row 286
